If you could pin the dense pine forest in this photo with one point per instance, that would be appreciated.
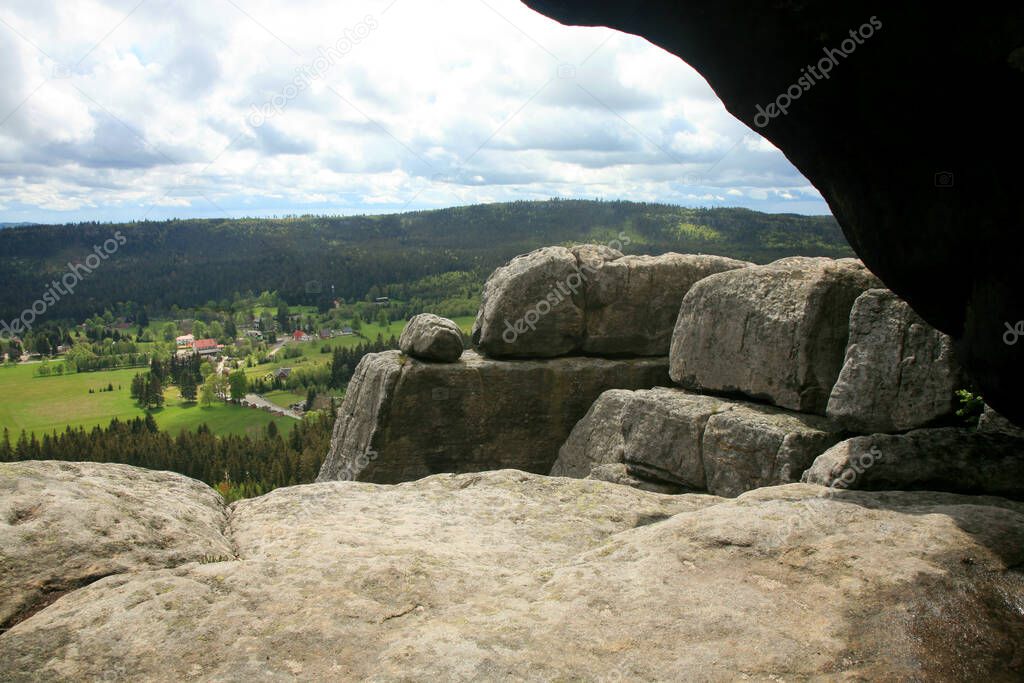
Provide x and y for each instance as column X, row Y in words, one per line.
column 237, row 466
column 312, row 260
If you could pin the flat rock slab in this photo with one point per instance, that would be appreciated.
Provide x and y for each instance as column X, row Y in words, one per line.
column 65, row 524
column 944, row 459
column 511, row 576
column 667, row 436
column 402, row 419
column 775, row 333
column 899, row 372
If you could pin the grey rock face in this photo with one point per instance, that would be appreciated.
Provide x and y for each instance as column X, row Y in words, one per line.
column 632, row 302
column 66, row 524
column 511, row 576
column 945, row 459
column 776, row 332
column 431, row 337
column 619, row 473
column 899, row 372
column 591, row 298
column 402, row 419
column 992, row 422
column 672, row 437
column 532, row 307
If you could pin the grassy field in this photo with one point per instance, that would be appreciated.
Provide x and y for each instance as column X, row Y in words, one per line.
column 44, row 404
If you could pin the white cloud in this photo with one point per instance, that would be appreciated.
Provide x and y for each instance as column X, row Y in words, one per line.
column 118, row 114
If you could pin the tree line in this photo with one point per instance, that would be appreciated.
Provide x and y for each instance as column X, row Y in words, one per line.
column 238, row 466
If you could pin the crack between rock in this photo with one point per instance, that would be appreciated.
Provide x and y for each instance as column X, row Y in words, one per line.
column 389, row 617
column 48, row 596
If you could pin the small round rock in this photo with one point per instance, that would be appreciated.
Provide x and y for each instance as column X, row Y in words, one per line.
column 431, row 337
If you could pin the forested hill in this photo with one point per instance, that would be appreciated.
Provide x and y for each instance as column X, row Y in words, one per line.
column 191, row 262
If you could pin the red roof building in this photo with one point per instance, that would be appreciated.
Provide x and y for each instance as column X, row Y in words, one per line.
column 204, row 346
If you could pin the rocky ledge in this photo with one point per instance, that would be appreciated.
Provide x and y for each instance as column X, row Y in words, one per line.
column 512, row 576
column 403, row 419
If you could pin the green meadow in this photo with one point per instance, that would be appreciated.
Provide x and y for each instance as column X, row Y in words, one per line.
column 44, row 404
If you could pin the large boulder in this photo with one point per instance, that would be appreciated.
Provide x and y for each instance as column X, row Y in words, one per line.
column 511, row 576
column 588, row 299
column 431, row 337
column 899, row 372
column 632, row 302
column 944, row 459
column 776, row 332
column 403, row 419
column 668, row 438
column 66, row 524
column 532, row 307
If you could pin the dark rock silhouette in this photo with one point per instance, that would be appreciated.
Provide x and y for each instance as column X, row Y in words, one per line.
column 930, row 199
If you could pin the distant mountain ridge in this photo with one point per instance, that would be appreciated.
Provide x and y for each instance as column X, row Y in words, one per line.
column 191, row 262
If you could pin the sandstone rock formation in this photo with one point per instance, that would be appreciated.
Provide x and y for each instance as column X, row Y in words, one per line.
column 431, row 337
column 403, row 419
column 532, row 307
column 944, row 459
column 554, row 301
column 926, row 210
column 992, row 422
column 632, row 302
column 510, row 576
column 665, row 437
column 776, row 332
column 899, row 372
column 64, row 525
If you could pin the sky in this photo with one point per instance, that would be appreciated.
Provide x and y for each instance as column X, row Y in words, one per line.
column 125, row 110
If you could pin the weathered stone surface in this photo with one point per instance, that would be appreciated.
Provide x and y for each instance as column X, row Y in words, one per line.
column 403, row 419
column 776, row 332
column 899, row 372
column 992, row 422
column 543, row 304
column 532, row 307
column 65, row 524
column 632, row 302
column 751, row 445
column 927, row 211
column 619, row 473
column 511, row 576
column 669, row 436
column 945, row 459
column 431, row 337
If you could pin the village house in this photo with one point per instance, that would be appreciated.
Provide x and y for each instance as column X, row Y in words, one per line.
column 301, row 336
column 185, row 341
column 206, row 347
